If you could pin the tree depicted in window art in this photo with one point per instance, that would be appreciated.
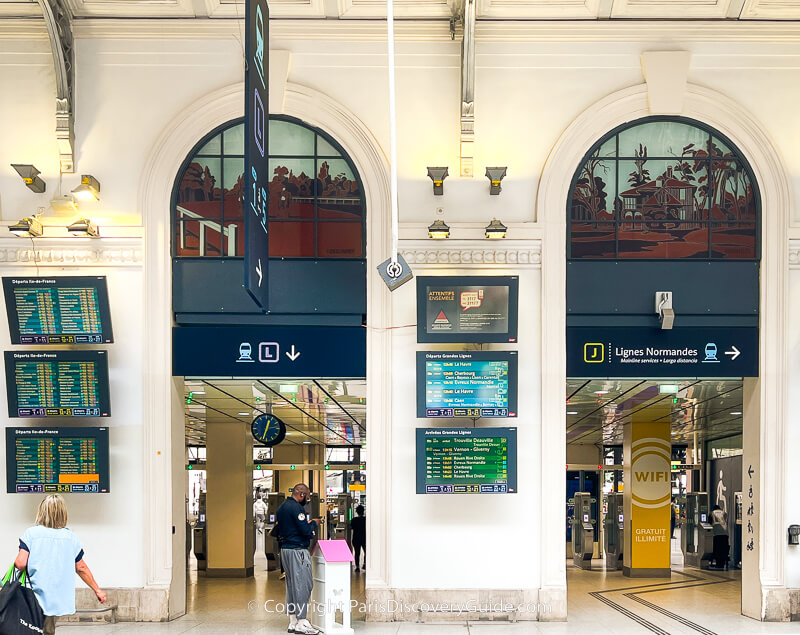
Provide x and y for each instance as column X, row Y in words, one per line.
column 699, row 202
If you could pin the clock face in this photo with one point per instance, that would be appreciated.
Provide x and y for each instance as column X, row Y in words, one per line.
column 268, row 429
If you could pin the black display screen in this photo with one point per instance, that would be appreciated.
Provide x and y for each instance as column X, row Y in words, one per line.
column 57, row 384
column 57, row 461
column 60, row 310
column 467, row 308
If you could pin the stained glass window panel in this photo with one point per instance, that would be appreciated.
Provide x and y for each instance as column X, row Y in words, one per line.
column 288, row 139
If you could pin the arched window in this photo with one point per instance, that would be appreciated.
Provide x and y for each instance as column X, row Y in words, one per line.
column 316, row 203
column 664, row 188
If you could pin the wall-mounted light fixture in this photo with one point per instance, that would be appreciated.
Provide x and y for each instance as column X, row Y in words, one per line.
column 495, row 175
column 437, row 175
column 495, row 230
column 88, row 189
column 28, row 227
column 83, row 227
column 438, row 230
column 30, row 175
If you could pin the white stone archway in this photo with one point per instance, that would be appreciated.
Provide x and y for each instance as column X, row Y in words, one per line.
column 764, row 593
column 163, row 487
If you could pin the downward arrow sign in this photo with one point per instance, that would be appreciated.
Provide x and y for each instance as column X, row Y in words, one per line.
column 293, row 354
column 259, row 272
column 734, row 352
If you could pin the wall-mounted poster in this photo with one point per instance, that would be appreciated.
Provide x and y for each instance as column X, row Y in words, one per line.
column 467, row 308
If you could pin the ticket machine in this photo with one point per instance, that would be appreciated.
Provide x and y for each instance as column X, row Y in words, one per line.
column 200, row 534
column 343, row 511
column 271, row 549
column 697, row 540
column 613, row 531
column 583, row 528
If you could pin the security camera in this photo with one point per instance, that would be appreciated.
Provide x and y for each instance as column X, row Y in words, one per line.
column 666, row 315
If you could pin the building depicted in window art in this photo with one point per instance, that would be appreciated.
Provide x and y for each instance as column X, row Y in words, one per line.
column 666, row 198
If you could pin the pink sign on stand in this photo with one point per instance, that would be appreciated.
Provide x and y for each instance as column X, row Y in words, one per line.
column 335, row 551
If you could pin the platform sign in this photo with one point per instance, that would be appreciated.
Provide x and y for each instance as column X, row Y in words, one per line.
column 256, row 113
column 269, row 351
column 655, row 353
column 466, row 460
column 467, row 308
column 57, row 461
column 57, row 384
column 470, row 384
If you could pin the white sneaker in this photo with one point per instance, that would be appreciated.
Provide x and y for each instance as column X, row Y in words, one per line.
column 305, row 627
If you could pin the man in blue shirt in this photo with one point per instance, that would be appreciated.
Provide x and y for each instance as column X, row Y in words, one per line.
column 296, row 529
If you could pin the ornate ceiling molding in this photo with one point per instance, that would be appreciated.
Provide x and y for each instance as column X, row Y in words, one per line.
column 71, row 252
column 467, row 252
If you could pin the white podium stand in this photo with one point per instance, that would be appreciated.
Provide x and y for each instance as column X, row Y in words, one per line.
column 331, row 567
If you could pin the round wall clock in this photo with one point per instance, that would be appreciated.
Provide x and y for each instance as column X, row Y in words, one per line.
column 268, row 429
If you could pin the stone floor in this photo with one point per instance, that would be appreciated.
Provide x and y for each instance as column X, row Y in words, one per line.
column 691, row 602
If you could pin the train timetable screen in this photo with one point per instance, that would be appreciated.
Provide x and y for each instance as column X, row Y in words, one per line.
column 62, row 310
column 57, row 384
column 473, row 384
column 466, row 460
column 57, row 460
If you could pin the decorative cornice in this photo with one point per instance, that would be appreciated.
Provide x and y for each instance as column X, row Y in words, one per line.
column 71, row 252
column 468, row 252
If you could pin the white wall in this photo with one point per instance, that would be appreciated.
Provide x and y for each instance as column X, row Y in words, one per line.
column 793, row 425
column 462, row 542
column 109, row 525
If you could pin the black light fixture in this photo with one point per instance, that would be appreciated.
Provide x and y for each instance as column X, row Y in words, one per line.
column 438, row 230
column 28, row 227
column 495, row 230
column 30, row 175
column 437, row 175
column 88, row 189
column 83, row 227
column 495, row 175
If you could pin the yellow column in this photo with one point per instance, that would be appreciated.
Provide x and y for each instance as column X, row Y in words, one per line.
column 229, row 500
column 647, row 454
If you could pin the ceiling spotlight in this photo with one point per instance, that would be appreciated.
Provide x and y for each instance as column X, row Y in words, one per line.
column 27, row 227
column 495, row 175
column 495, row 230
column 438, row 230
column 437, row 175
column 83, row 227
column 30, row 175
column 88, row 189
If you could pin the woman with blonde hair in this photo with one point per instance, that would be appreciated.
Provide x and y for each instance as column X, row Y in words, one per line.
column 52, row 555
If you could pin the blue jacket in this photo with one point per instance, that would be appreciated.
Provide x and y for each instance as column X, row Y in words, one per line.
column 294, row 530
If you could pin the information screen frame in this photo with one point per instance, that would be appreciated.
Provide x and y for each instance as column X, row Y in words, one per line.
column 100, row 358
column 424, row 412
column 98, row 283
column 509, row 336
column 510, row 434
column 100, row 434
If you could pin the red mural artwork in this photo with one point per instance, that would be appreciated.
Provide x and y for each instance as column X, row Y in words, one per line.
column 702, row 204
column 209, row 219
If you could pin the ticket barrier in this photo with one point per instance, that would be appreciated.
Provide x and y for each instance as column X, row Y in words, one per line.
column 583, row 528
column 200, row 535
column 697, row 541
column 613, row 531
column 343, row 512
column 271, row 548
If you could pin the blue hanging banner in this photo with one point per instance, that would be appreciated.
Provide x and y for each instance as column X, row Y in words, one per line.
column 256, row 153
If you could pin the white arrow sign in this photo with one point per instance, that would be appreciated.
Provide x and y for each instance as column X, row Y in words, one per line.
column 293, row 354
column 734, row 353
column 259, row 272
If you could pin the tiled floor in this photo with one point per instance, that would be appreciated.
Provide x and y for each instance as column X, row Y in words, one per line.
column 691, row 602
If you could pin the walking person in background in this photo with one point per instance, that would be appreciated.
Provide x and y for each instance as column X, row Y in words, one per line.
column 719, row 521
column 52, row 555
column 358, row 536
column 260, row 513
column 296, row 529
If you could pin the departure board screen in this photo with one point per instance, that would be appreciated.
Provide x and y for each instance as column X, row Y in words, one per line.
column 470, row 384
column 467, row 308
column 62, row 310
column 57, row 384
column 466, row 460
column 57, row 460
